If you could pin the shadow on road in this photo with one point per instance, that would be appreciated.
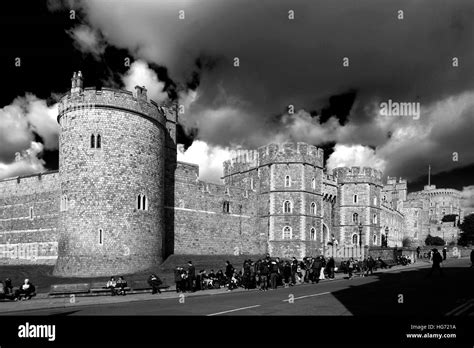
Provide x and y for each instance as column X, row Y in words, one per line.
column 409, row 293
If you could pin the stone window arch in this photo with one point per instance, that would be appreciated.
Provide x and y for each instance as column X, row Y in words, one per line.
column 375, row 239
column 287, row 232
column 287, row 207
column 92, row 141
column 355, row 239
column 287, row 181
column 375, row 218
column 312, row 208
column 64, row 203
column 313, row 183
column 226, row 207
column 355, row 218
column 354, row 199
column 312, row 234
column 98, row 141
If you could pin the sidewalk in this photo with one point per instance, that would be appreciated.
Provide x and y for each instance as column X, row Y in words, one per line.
column 43, row 302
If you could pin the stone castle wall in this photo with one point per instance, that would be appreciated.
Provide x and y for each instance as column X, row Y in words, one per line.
column 29, row 209
column 202, row 225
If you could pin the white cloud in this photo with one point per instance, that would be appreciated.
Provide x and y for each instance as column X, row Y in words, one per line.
column 209, row 158
column 141, row 75
column 26, row 162
column 355, row 155
column 87, row 40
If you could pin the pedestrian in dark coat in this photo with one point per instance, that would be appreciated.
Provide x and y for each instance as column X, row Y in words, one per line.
column 445, row 251
column 330, row 267
column 154, row 281
column 294, row 270
column 229, row 271
column 287, row 273
column 191, row 276
column 274, row 273
column 437, row 260
column 264, row 271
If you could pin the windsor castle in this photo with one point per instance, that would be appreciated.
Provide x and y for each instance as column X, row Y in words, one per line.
column 121, row 202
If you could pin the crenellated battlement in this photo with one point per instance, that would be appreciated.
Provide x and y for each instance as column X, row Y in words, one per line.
column 244, row 160
column 358, row 174
column 91, row 98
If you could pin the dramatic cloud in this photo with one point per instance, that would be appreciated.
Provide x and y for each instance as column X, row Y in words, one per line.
column 141, row 75
column 467, row 199
column 299, row 62
column 26, row 162
column 87, row 40
column 208, row 158
column 21, row 122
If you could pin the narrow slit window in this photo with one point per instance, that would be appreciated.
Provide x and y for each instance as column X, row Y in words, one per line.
column 92, row 141
column 101, row 236
column 31, row 213
column 139, row 202
column 99, row 141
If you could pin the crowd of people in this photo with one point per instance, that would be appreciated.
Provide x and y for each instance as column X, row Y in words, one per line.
column 23, row 292
column 269, row 273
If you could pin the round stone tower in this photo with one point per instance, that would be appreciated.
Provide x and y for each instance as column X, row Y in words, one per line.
column 111, row 167
column 358, row 204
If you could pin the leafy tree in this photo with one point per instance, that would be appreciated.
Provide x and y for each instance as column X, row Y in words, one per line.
column 407, row 242
column 449, row 218
column 430, row 240
column 467, row 228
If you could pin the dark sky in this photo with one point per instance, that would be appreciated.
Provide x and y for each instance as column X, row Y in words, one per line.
column 282, row 62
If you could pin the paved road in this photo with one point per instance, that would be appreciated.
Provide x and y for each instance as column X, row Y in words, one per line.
column 402, row 292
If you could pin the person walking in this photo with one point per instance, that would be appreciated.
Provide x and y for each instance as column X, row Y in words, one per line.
column 191, row 276
column 418, row 251
column 472, row 258
column 274, row 273
column 445, row 251
column 287, row 274
column 350, row 267
column 330, row 268
column 294, row 270
column 437, row 260
column 263, row 276
column 229, row 270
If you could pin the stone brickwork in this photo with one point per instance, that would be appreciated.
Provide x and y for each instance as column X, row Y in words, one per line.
column 29, row 209
column 104, row 229
column 358, row 205
column 202, row 222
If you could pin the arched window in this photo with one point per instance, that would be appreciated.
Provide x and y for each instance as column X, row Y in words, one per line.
column 287, row 207
column 101, row 236
column 287, row 232
column 98, row 141
column 92, row 141
column 355, row 239
column 375, row 239
column 139, row 202
column 313, row 183
column 312, row 234
column 355, row 218
column 64, row 203
column 312, row 209
column 226, row 207
column 144, row 203
column 375, row 218
column 287, row 181
column 375, row 200
column 252, row 187
column 355, row 199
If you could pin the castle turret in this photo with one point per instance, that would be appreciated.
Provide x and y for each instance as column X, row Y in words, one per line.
column 111, row 163
column 358, row 205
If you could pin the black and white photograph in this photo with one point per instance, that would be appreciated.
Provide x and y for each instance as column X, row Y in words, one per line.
column 301, row 171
